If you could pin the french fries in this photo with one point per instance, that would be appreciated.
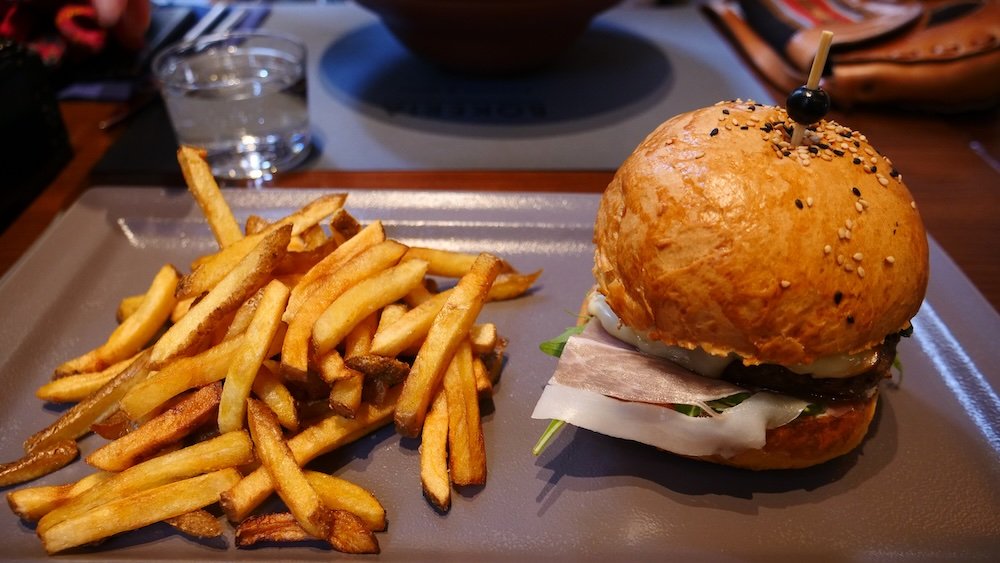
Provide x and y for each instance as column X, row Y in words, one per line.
column 135, row 331
column 451, row 325
column 201, row 184
column 40, row 461
column 298, row 336
column 247, row 359
column 138, row 510
column 167, row 428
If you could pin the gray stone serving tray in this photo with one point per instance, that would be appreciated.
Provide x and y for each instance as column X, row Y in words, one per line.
column 925, row 485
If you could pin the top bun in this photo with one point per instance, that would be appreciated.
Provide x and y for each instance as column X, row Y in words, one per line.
column 717, row 233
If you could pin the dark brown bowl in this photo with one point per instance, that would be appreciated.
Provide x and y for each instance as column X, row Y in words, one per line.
column 487, row 36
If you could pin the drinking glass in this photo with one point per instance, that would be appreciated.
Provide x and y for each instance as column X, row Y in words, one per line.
column 240, row 96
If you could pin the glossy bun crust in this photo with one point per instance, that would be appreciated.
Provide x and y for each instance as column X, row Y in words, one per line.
column 715, row 233
column 808, row 440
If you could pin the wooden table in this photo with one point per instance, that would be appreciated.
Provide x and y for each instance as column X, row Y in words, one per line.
column 948, row 162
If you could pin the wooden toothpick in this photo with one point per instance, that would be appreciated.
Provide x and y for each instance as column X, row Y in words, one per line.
column 815, row 73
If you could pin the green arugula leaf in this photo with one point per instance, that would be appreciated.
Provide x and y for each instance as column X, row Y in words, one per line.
column 554, row 347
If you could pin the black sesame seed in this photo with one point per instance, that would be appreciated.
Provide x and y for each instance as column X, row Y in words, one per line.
column 752, row 108
column 857, row 160
column 823, row 146
column 856, row 191
column 725, row 111
column 744, row 128
column 857, row 144
column 714, row 132
column 767, row 128
column 894, row 173
column 838, row 152
column 814, row 149
column 874, row 168
column 850, row 319
column 837, row 297
column 845, row 134
column 798, row 203
column 786, row 153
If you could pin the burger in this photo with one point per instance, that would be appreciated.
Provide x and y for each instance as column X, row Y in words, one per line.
column 750, row 294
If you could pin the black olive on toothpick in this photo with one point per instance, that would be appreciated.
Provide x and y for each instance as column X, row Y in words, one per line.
column 809, row 103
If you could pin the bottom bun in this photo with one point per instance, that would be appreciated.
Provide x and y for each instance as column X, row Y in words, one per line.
column 807, row 440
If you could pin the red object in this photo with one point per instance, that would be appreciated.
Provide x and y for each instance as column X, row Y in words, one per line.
column 77, row 23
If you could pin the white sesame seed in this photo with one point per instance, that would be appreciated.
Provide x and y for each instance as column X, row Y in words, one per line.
column 913, row 204
column 785, row 283
column 827, row 249
column 842, row 233
column 890, row 260
column 858, row 206
column 848, row 268
column 699, row 155
column 861, row 272
column 882, row 180
column 840, row 259
column 864, row 203
column 858, row 256
column 869, row 151
column 848, row 235
column 849, row 224
column 809, row 201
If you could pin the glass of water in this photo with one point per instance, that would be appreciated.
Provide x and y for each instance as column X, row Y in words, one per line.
column 241, row 97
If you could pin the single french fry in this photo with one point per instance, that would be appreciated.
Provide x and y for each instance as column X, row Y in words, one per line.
column 179, row 376
column 198, row 523
column 483, row 337
column 331, row 367
column 247, row 360
column 128, row 306
column 341, row 494
column 509, row 285
column 31, row 503
column 390, row 314
column 362, row 300
column 181, row 308
column 269, row 388
column 38, row 462
column 212, row 269
column 370, row 236
column 77, row 387
column 466, row 448
column 160, row 431
column 324, row 436
column 255, row 224
column 295, row 353
column 346, row 395
column 349, row 533
column 139, row 510
column 484, row 386
column 276, row 527
column 289, row 481
column 137, row 330
column 411, row 328
column 227, row 450
column 239, row 284
column 358, row 341
column 244, row 314
column 450, row 327
column 76, row 421
column 206, row 192
column 434, row 454
column 113, row 426
column 447, row 263
column 418, row 295
column 344, row 225
column 299, row 262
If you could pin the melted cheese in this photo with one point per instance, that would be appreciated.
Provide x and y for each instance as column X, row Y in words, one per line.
column 708, row 365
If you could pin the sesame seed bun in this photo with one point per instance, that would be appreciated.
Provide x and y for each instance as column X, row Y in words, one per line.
column 715, row 233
